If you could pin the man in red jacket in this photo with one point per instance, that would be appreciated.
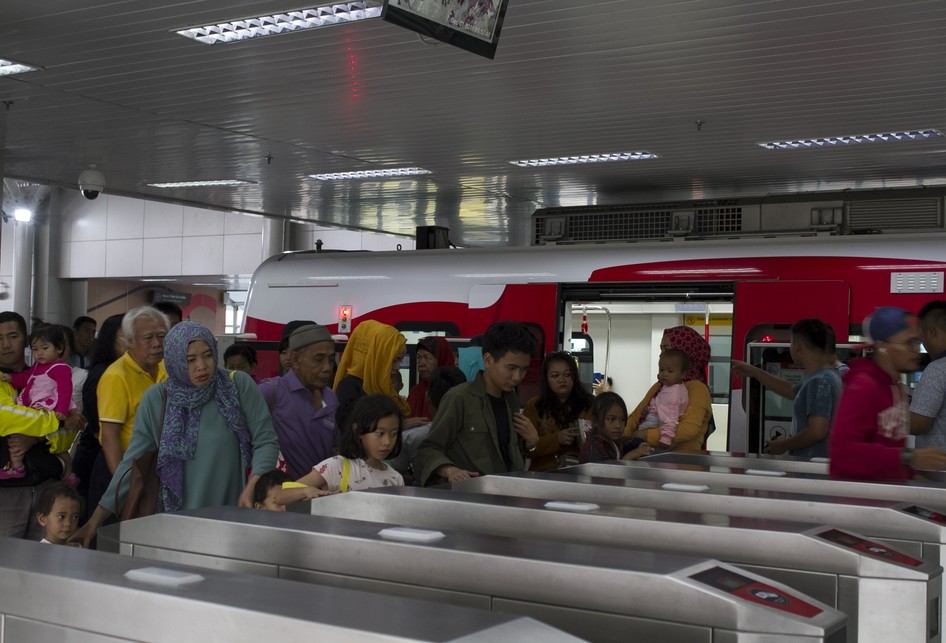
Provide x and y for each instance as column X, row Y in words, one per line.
column 873, row 419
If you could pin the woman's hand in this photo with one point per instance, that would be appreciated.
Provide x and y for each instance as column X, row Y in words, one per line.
column 526, row 431
column 84, row 534
column 567, row 437
column 639, row 452
column 246, row 496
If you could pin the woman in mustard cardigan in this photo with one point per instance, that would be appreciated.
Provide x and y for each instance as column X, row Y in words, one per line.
column 691, row 431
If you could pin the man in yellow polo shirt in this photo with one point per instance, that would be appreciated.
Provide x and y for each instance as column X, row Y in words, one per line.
column 124, row 383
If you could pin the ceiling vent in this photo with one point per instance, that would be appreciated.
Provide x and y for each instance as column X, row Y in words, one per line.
column 895, row 215
column 601, row 224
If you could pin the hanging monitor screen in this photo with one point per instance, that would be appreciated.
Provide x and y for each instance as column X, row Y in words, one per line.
column 473, row 25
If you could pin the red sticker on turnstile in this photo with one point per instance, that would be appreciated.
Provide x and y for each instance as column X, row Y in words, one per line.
column 754, row 591
column 869, row 547
column 929, row 514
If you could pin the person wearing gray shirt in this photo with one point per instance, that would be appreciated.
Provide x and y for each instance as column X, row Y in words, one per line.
column 928, row 407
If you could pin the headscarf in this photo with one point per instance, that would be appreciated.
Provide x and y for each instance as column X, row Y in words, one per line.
column 183, row 407
column 692, row 343
column 368, row 355
column 439, row 347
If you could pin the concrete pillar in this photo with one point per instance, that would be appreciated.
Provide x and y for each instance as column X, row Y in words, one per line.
column 274, row 237
column 23, row 268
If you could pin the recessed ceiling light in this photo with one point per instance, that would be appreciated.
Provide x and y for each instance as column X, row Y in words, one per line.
column 10, row 67
column 282, row 23
column 22, row 214
column 200, row 184
column 371, row 174
column 830, row 141
column 586, row 158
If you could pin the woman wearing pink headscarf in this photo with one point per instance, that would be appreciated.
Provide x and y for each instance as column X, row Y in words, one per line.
column 691, row 431
column 432, row 353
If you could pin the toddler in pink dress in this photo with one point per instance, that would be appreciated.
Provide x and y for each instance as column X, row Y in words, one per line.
column 666, row 408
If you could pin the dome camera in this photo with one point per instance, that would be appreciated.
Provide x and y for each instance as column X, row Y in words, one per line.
column 91, row 182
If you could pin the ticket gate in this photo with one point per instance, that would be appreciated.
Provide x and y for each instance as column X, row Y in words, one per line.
column 788, row 464
column 855, row 575
column 925, row 494
column 56, row 593
column 914, row 530
column 599, row 593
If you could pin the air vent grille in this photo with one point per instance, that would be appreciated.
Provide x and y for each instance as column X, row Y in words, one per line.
column 895, row 214
column 718, row 220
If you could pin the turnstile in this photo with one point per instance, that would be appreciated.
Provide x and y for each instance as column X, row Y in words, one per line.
column 744, row 460
column 925, row 494
column 914, row 530
column 599, row 593
column 864, row 579
column 56, row 593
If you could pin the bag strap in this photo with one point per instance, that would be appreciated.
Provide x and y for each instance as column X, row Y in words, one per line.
column 346, row 471
column 164, row 404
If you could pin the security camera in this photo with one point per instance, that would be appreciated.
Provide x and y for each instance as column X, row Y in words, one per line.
column 91, row 182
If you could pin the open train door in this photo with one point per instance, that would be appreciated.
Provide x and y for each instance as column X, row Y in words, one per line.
column 761, row 307
column 535, row 305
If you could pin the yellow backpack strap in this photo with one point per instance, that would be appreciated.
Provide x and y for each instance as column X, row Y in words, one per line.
column 346, row 470
column 232, row 373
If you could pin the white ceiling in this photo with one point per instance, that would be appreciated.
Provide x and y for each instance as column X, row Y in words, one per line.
column 119, row 89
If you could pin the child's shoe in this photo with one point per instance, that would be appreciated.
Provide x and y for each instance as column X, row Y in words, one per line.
column 72, row 480
column 6, row 473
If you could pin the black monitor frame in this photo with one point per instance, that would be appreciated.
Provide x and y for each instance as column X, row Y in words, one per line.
column 452, row 35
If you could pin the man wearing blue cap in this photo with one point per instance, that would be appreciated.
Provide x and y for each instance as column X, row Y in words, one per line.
column 868, row 439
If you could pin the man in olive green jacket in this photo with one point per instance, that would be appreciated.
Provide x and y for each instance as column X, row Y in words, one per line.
column 478, row 428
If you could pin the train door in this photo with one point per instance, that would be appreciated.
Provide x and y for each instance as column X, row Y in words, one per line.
column 764, row 315
column 618, row 327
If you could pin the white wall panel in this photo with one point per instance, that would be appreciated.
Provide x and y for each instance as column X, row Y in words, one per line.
column 162, row 257
column 199, row 222
column 125, row 217
column 242, row 253
column 163, row 219
column 123, row 258
column 202, row 255
column 242, row 224
column 87, row 220
column 87, row 259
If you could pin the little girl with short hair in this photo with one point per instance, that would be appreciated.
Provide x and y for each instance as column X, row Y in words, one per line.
column 606, row 440
column 57, row 512
column 373, row 435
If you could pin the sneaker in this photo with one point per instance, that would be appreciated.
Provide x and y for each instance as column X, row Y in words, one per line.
column 6, row 473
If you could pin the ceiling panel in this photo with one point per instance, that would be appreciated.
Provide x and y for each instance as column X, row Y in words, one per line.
column 119, row 89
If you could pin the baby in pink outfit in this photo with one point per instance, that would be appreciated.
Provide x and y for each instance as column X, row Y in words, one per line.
column 666, row 408
column 46, row 385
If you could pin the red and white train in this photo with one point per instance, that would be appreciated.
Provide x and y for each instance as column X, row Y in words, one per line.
column 768, row 282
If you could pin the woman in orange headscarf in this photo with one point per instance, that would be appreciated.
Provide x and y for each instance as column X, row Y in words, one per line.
column 691, row 431
column 373, row 354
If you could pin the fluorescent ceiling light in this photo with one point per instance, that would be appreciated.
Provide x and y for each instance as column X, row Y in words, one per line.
column 586, row 158
column 22, row 214
column 829, row 141
column 281, row 23
column 200, row 184
column 10, row 67
column 371, row 174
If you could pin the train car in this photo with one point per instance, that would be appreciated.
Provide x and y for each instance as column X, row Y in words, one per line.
column 611, row 302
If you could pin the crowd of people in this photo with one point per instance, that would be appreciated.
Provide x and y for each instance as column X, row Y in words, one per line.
column 148, row 383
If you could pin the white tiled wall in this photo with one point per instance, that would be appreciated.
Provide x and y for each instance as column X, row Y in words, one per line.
column 120, row 237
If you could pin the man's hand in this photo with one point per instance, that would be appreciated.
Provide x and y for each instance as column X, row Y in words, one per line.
column 454, row 474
